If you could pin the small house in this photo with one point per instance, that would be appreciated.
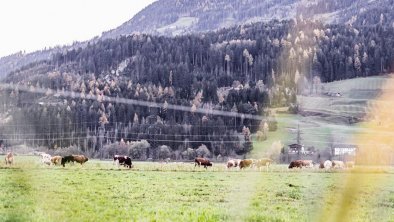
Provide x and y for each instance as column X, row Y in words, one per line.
column 295, row 148
column 350, row 150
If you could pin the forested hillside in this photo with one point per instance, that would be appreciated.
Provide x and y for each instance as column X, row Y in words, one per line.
column 242, row 69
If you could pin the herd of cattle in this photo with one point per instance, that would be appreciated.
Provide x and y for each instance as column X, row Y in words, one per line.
column 48, row 159
column 232, row 163
column 266, row 162
column 56, row 160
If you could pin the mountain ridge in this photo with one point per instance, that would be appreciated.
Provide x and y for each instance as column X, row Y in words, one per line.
column 162, row 19
column 190, row 16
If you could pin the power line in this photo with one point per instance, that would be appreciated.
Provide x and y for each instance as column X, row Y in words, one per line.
column 72, row 94
column 112, row 131
column 140, row 139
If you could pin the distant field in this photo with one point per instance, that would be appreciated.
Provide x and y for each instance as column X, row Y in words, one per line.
column 99, row 191
column 358, row 97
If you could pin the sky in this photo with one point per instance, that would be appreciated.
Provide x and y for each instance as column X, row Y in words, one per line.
column 30, row 25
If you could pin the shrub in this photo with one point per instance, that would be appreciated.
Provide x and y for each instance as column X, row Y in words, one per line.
column 138, row 150
column 203, row 151
column 164, row 152
column 189, row 154
column 72, row 150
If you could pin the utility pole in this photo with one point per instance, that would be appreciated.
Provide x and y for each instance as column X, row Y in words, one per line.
column 298, row 135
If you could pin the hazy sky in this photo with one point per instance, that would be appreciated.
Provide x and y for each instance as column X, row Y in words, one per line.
column 34, row 24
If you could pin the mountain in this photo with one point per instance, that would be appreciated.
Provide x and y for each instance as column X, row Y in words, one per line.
column 20, row 60
column 177, row 17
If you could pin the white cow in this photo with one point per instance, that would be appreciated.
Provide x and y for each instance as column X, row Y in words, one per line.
column 327, row 164
column 233, row 163
column 46, row 158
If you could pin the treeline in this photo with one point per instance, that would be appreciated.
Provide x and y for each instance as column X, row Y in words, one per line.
column 90, row 121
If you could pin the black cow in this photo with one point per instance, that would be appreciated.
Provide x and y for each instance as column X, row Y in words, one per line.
column 123, row 160
column 67, row 159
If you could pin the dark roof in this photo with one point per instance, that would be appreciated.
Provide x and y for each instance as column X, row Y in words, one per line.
column 295, row 145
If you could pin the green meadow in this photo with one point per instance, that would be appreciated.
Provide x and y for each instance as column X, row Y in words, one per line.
column 100, row 191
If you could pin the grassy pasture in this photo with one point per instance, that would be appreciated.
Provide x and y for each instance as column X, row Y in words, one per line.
column 99, row 191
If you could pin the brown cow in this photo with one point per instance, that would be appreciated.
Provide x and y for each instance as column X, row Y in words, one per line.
column 202, row 162
column 56, row 160
column 246, row 163
column 9, row 158
column 80, row 159
column 301, row 163
column 74, row 158
column 263, row 162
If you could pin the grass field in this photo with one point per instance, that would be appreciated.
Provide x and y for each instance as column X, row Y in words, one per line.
column 99, row 191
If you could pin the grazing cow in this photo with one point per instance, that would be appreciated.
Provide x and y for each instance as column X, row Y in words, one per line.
column 67, row 159
column 46, row 158
column 263, row 162
column 295, row 164
column 233, row 163
column 246, row 163
column 74, row 158
column 301, row 163
column 326, row 164
column 123, row 160
column 9, row 158
column 80, row 159
column 202, row 162
column 56, row 160
column 337, row 164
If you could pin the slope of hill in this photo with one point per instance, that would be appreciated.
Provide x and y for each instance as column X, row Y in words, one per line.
column 20, row 60
column 175, row 17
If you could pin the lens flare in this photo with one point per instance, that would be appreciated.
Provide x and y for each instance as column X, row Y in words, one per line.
column 374, row 154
